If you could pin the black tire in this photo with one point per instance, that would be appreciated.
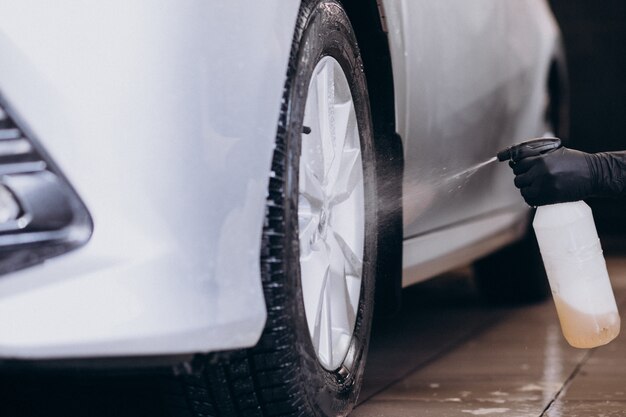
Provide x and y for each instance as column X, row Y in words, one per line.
column 513, row 275
column 281, row 376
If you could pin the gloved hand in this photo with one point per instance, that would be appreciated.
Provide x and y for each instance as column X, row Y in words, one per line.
column 555, row 177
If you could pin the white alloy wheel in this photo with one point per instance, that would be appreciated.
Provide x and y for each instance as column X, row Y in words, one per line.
column 331, row 213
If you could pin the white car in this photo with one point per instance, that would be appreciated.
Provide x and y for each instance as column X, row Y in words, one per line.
column 221, row 187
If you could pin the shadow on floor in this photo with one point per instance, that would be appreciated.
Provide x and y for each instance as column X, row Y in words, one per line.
column 436, row 316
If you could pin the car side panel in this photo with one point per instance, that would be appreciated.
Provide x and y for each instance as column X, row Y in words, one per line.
column 469, row 79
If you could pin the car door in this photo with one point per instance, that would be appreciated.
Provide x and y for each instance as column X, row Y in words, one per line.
column 469, row 79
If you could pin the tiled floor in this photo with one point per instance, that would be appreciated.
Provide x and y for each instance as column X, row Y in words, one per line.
column 449, row 354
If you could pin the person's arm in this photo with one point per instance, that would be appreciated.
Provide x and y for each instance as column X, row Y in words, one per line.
column 569, row 175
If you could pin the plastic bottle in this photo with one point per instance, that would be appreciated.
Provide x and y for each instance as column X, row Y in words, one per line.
column 577, row 273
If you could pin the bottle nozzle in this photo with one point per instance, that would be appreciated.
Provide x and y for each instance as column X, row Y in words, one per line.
column 528, row 148
column 504, row 154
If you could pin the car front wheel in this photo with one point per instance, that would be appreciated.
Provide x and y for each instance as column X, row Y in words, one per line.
column 319, row 241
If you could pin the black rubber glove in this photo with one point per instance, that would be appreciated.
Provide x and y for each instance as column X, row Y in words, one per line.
column 569, row 175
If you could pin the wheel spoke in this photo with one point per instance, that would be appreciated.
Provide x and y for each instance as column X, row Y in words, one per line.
column 327, row 327
column 351, row 176
column 311, row 154
column 342, row 119
column 314, row 268
column 310, row 186
column 322, row 338
column 353, row 262
column 343, row 309
column 348, row 218
column 307, row 234
column 325, row 95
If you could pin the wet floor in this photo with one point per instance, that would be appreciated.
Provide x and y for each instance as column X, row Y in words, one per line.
column 446, row 354
column 449, row 354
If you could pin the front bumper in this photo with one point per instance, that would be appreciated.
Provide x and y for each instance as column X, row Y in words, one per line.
column 167, row 137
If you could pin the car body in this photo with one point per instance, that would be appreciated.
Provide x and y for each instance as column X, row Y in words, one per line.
column 163, row 120
column 453, row 116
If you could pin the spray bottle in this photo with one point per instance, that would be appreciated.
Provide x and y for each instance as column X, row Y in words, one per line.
column 572, row 257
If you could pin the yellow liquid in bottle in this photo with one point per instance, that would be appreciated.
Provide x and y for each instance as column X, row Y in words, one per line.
column 584, row 330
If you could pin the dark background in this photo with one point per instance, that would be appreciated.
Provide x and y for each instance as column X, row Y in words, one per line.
column 594, row 33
